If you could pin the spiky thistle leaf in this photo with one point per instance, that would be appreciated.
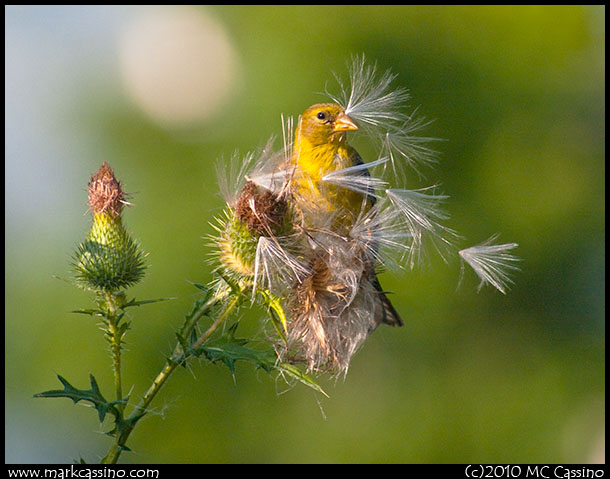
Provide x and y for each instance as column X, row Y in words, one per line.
column 92, row 395
column 229, row 349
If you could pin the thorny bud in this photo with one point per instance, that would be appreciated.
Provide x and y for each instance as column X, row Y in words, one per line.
column 109, row 259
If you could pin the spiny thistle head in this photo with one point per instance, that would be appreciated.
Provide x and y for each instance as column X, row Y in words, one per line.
column 257, row 225
column 108, row 259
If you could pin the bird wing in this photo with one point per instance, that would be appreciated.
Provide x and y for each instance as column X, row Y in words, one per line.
column 388, row 314
column 357, row 160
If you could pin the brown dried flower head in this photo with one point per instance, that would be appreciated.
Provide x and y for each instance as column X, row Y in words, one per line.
column 105, row 192
column 261, row 210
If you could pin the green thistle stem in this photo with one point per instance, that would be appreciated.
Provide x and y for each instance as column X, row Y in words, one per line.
column 113, row 307
column 113, row 303
column 190, row 324
column 224, row 315
column 175, row 359
column 115, row 347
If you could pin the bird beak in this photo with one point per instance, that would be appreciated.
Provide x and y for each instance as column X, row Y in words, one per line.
column 344, row 123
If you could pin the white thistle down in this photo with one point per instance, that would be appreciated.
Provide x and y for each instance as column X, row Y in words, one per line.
column 232, row 177
column 492, row 263
column 422, row 216
column 277, row 240
column 356, row 178
column 370, row 99
column 405, row 148
column 274, row 267
column 272, row 171
column 381, row 233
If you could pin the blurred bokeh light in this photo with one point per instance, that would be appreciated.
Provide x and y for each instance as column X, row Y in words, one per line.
column 517, row 92
column 178, row 64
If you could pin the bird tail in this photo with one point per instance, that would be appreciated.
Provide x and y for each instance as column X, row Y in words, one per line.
column 388, row 314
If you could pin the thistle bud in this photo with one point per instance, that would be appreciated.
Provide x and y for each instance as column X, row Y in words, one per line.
column 109, row 259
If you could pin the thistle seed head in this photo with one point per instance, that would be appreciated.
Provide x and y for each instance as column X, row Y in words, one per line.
column 310, row 225
column 262, row 211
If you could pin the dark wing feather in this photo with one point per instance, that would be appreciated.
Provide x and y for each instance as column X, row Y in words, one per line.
column 357, row 160
column 388, row 314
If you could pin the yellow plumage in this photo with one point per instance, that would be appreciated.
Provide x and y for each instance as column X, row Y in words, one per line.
column 320, row 149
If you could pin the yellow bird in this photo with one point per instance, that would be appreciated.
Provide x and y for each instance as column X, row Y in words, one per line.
column 320, row 149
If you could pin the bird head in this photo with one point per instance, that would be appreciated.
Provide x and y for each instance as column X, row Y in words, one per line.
column 325, row 122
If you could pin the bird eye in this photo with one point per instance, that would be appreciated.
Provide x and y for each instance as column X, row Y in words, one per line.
column 321, row 115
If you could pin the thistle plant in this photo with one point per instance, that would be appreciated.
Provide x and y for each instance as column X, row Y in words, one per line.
column 305, row 231
column 107, row 263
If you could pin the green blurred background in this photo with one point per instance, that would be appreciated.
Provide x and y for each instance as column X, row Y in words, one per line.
column 518, row 93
